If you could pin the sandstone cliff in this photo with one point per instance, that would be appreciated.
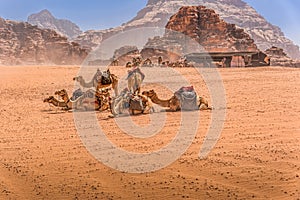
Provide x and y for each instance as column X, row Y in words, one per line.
column 206, row 28
column 22, row 43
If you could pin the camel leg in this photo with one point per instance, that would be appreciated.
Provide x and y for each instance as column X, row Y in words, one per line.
column 115, row 87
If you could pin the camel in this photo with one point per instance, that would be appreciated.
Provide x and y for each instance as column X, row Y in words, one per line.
column 147, row 63
column 97, row 81
column 136, row 61
column 90, row 100
column 135, row 79
column 160, row 60
column 128, row 65
column 70, row 104
column 174, row 103
column 125, row 102
column 55, row 102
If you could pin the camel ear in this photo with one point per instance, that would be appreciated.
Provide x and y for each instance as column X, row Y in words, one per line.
column 151, row 90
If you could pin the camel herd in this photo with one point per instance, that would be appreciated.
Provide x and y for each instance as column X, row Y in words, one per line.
column 137, row 61
column 130, row 100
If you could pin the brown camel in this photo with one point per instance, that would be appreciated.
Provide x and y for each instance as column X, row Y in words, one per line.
column 55, row 102
column 174, row 103
column 90, row 100
column 147, row 63
column 70, row 104
column 128, row 65
column 97, row 81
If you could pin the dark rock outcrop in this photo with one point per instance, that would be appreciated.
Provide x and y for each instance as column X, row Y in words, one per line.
column 23, row 43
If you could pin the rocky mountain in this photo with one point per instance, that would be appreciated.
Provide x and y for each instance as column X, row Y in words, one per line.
column 157, row 14
column 23, row 43
column 46, row 20
column 280, row 58
column 203, row 26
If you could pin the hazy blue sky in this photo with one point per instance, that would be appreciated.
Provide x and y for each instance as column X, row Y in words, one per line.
column 100, row 14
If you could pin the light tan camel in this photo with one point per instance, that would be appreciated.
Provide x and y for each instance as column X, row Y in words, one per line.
column 174, row 103
column 135, row 79
column 97, row 83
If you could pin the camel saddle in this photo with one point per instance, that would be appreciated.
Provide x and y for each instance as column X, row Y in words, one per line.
column 136, row 103
column 187, row 97
column 77, row 93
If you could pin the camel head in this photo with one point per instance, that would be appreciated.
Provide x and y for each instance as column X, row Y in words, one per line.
column 49, row 99
column 149, row 93
column 78, row 78
column 61, row 92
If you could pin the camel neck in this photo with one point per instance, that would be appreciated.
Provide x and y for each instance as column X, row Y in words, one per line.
column 58, row 103
column 163, row 103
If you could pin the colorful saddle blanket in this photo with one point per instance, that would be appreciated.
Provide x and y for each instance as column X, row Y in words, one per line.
column 187, row 97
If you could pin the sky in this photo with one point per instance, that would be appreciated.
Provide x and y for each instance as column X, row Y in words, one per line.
column 102, row 14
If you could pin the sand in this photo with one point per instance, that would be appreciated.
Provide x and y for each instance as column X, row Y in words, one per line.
column 256, row 157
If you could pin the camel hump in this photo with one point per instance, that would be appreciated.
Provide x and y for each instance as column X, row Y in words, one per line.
column 188, row 98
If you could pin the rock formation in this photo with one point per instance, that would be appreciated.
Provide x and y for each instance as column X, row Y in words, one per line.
column 23, row 43
column 157, row 13
column 46, row 20
column 205, row 27
column 280, row 58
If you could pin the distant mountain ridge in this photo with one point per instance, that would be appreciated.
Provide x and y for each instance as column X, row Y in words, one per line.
column 44, row 19
column 157, row 13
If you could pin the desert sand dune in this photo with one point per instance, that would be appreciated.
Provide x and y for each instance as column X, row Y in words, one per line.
column 256, row 157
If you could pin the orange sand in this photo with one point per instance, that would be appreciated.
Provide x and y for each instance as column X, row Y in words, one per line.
column 257, row 156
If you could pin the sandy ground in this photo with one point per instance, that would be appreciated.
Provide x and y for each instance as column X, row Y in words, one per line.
column 256, row 157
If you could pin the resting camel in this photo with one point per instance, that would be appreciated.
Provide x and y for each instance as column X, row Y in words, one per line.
column 55, row 102
column 88, row 101
column 174, row 103
column 70, row 104
column 135, row 79
column 147, row 63
column 122, row 103
column 96, row 81
column 128, row 65
column 136, row 61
